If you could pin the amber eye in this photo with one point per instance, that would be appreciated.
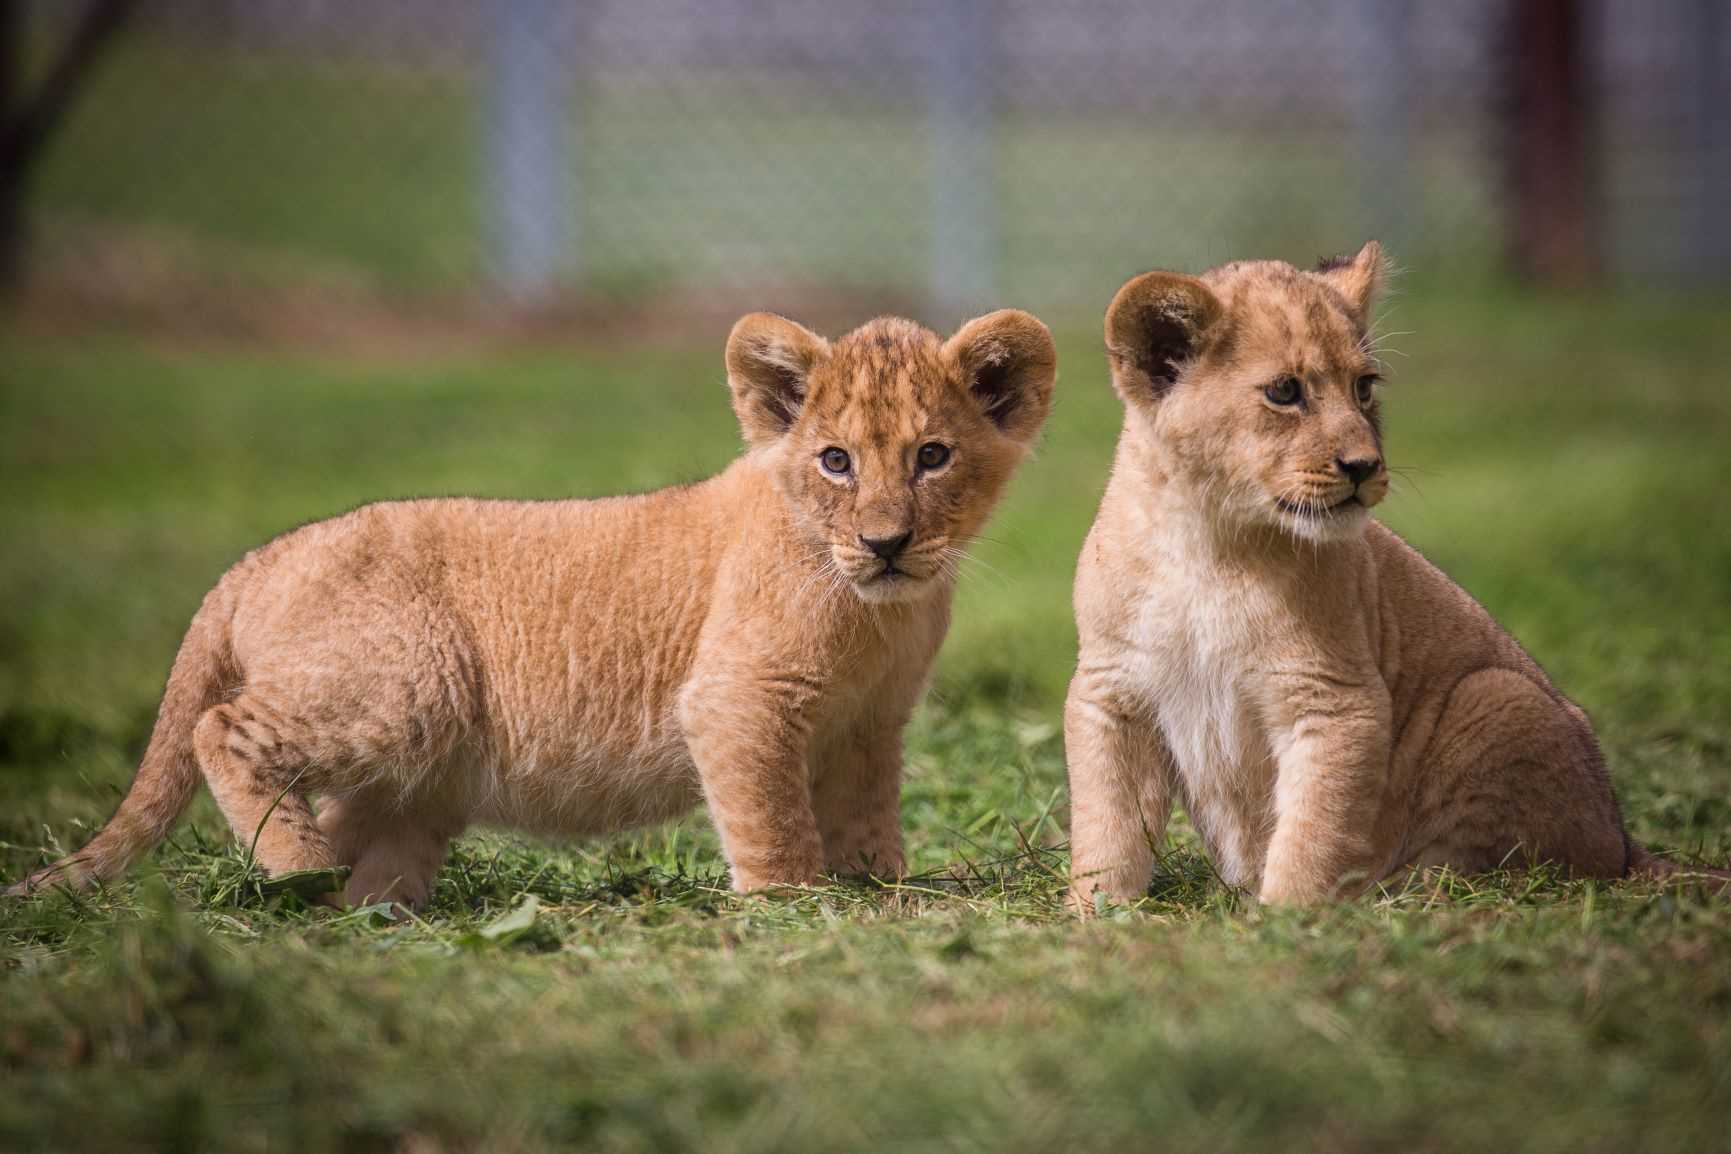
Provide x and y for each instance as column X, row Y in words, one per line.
column 933, row 455
column 1285, row 391
column 1365, row 387
column 835, row 461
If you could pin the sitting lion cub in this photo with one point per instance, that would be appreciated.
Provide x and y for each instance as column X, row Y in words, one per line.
column 1329, row 707
column 756, row 640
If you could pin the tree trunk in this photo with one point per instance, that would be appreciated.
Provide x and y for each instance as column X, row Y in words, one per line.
column 1550, row 144
column 26, row 124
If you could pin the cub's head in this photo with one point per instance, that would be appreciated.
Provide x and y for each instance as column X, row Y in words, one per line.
column 1253, row 389
column 890, row 445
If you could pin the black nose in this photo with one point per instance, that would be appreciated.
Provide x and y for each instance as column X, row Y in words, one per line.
column 887, row 547
column 1359, row 470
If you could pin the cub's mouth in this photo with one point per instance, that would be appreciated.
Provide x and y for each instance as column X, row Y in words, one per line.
column 890, row 580
column 1318, row 509
column 888, row 576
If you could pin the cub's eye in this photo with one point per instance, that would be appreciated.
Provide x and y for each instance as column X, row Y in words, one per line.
column 835, row 461
column 1285, row 391
column 1365, row 388
column 933, row 455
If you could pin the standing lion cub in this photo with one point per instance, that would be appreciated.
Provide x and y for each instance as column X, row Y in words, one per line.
column 1329, row 707
column 756, row 640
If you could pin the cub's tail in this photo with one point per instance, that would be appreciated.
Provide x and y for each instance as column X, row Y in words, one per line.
column 168, row 775
column 1643, row 864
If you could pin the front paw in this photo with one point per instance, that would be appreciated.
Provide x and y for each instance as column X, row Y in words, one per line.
column 1084, row 900
column 1308, row 887
column 1087, row 899
column 1297, row 890
column 774, row 871
column 1093, row 888
column 884, row 862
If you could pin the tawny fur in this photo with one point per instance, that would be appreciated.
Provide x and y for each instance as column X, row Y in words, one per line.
column 1328, row 706
column 576, row 667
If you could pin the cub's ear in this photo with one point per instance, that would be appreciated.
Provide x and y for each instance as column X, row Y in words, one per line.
column 769, row 361
column 1357, row 278
column 1154, row 326
column 1008, row 361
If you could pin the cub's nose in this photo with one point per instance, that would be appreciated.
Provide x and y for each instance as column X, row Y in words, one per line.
column 887, row 547
column 1358, row 470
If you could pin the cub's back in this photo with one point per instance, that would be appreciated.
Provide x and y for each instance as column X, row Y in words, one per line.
column 1431, row 630
column 532, row 620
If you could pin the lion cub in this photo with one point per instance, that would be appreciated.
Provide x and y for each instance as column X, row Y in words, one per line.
column 1329, row 707
column 756, row 640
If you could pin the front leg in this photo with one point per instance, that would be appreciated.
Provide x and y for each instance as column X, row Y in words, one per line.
column 1332, row 772
column 748, row 733
column 857, row 791
column 1120, row 792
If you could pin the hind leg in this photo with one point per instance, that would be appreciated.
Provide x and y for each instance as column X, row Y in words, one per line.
column 1513, row 776
column 254, row 760
column 394, row 852
column 356, row 680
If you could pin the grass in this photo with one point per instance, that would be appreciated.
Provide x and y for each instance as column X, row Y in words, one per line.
column 1568, row 466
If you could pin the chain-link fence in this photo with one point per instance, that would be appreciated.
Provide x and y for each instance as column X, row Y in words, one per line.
column 946, row 155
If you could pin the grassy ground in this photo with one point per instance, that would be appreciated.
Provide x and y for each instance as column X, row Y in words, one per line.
column 1568, row 465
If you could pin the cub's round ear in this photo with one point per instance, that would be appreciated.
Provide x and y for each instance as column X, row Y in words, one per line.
column 769, row 362
column 1156, row 325
column 1357, row 278
column 1008, row 362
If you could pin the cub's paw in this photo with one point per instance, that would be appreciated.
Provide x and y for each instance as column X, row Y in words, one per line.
column 1086, row 900
column 403, row 892
column 883, row 864
column 768, row 879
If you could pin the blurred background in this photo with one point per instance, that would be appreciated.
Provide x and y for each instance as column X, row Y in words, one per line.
column 266, row 260
column 315, row 168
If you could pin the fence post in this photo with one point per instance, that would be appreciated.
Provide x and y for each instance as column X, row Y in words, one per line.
column 1382, row 109
column 1707, row 250
column 526, row 157
column 964, row 212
